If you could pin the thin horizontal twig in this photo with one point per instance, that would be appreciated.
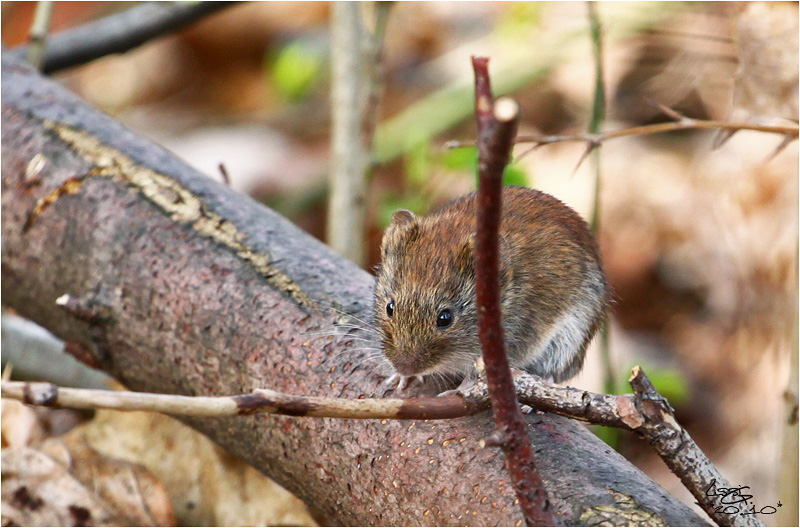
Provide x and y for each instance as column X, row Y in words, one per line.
column 600, row 409
column 791, row 131
column 645, row 412
column 260, row 401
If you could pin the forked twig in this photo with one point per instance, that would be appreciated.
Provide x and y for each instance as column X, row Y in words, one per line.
column 497, row 127
column 686, row 123
column 645, row 412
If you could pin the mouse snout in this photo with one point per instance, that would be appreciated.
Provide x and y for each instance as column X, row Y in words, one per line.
column 409, row 364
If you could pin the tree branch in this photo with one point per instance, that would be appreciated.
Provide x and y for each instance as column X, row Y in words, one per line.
column 494, row 150
column 120, row 32
column 645, row 412
column 681, row 454
column 38, row 32
column 686, row 123
column 260, row 401
column 354, row 105
column 484, row 100
column 497, row 127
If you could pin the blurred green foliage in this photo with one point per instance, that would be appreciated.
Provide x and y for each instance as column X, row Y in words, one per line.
column 297, row 68
column 422, row 163
column 418, row 163
column 519, row 19
column 466, row 159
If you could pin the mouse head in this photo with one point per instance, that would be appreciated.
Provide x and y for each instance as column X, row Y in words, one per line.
column 425, row 294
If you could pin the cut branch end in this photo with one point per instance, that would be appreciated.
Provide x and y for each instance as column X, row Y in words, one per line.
column 506, row 110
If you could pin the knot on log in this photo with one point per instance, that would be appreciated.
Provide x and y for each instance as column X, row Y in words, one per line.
column 87, row 309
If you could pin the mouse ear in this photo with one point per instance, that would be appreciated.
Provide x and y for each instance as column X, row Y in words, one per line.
column 465, row 260
column 404, row 225
column 403, row 217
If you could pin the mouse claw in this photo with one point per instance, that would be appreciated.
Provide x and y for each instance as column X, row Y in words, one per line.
column 402, row 381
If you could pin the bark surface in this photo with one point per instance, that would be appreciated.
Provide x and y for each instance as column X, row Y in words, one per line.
column 198, row 290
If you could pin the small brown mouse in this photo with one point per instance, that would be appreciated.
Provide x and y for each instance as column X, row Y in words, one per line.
column 553, row 289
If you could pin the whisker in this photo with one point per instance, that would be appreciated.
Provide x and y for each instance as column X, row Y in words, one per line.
column 343, row 313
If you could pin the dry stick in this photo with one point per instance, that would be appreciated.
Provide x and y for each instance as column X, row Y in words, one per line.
column 497, row 127
column 260, row 401
column 684, row 458
column 484, row 100
column 494, row 149
column 685, row 123
column 595, row 124
column 120, row 32
column 600, row 409
column 38, row 33
column 645, row 412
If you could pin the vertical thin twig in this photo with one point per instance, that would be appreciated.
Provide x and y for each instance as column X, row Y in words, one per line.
column 595, row 126
column 38, row 33
column 355, row 96
column 483, row 93
column 497, row 126
column 346, row 211
column 373, row 46
column 788, row 474
column 223, row 171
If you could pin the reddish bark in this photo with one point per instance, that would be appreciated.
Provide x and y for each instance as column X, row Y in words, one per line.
column 494, row 149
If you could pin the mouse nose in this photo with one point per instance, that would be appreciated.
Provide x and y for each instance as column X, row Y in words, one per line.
column 407, row 365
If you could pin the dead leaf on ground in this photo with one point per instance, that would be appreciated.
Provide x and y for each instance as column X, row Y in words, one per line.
column 63, row 482
column 19, row 424
column 206, row 485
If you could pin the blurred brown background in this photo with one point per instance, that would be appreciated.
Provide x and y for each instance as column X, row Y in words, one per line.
column 700, row 243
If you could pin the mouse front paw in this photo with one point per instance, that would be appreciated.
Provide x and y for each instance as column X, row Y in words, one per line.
column 401, row 381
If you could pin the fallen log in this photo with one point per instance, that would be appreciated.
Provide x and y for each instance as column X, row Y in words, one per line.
column 187, row 287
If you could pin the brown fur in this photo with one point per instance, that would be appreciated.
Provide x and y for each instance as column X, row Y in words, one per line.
column 550, row 269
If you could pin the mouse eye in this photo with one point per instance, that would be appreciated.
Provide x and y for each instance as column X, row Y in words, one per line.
column 390, row 308
column 444, row 319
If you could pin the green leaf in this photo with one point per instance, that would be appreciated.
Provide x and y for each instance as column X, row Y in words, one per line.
column 462, row 158
column 514, row 175
column 296, row 70
column 418, row 163
column 519, row 19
